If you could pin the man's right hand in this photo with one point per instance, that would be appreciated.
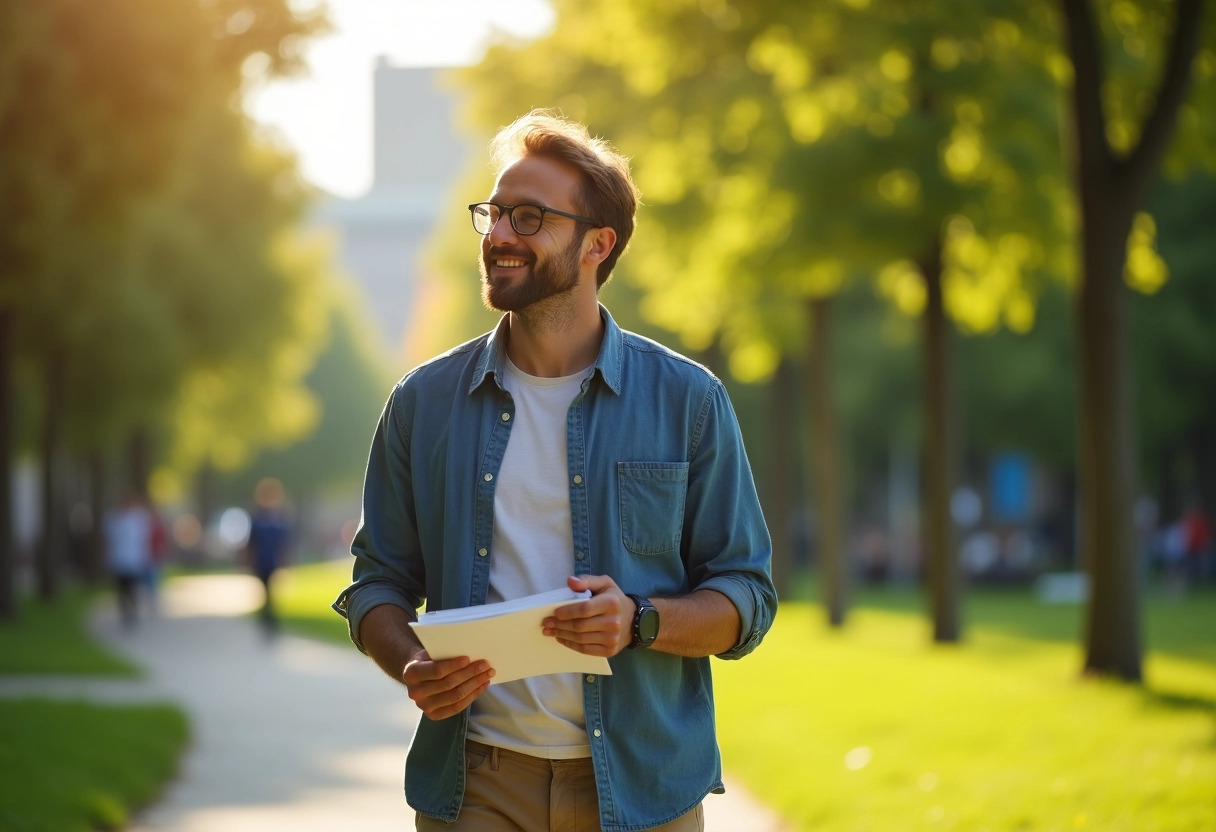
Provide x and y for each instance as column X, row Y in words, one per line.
column 439, row 688
column 446, row 687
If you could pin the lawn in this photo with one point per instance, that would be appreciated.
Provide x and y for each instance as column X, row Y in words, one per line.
column 78, row 767
column 74, row 766
column 303, row 595
column 874, row 728
column 49, row 638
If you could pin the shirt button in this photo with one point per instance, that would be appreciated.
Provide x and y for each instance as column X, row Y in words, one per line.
column 591, row 678
column 579, row 556
column 596, row 732
column 578, row 478
column 488, row 477
column 483, row 552
column 506, row 417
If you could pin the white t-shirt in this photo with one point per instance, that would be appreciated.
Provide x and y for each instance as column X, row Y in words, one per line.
column 533, row 551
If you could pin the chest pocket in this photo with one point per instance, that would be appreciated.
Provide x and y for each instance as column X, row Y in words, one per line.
column 652, row 498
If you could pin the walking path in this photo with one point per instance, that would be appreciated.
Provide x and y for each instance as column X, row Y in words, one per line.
column 287, row 733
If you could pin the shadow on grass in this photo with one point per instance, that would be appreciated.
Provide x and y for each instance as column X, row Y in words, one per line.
column 1174, row 701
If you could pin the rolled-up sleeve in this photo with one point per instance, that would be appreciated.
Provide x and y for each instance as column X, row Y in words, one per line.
column 728, row 547
column 388, row 568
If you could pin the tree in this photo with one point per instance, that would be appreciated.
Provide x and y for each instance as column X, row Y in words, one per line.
column 102, row 116
column 350, row 380
column 1112, row 182
column 65, row 167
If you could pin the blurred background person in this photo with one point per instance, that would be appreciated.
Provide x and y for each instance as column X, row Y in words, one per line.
column 128, row 538
column 1197, row 542
column 269, row 536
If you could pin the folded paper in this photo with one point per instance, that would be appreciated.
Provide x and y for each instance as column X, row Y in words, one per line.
column 507, row 635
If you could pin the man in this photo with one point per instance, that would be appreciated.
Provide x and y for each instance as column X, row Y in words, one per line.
column 560, row 450
column 128, row 536
column 266, row 549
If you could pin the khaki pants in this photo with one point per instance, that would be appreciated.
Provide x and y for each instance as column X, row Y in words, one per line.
column 510, row 792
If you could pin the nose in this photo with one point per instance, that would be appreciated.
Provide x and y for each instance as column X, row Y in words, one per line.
column 502, row 229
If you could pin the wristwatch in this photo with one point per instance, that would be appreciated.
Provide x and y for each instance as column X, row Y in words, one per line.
column 645, row 623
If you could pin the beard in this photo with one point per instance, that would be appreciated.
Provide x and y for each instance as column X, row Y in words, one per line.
column 552, row 276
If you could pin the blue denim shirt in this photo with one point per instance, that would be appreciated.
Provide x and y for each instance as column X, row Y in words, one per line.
column 661, row 499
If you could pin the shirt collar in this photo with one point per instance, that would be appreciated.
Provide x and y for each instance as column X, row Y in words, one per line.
column 608, row 363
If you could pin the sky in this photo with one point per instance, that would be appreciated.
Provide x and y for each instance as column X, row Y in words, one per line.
column 326, row 115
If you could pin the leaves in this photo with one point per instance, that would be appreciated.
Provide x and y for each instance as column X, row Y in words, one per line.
column 146, row 237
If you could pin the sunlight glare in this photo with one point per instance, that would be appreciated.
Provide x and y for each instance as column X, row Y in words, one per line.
column 326, row 116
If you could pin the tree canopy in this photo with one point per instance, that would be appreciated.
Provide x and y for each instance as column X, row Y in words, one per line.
column 151, row 277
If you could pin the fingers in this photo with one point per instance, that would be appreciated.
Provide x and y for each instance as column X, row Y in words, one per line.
column 596, row 626
column 606, row 598
column 606, row 641
column 446, row 687
column 596, row 583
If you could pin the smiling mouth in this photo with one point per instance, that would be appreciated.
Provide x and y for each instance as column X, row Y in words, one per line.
column 509, row 263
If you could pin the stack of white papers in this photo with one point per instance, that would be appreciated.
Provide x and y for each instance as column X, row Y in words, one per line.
column 508, row 636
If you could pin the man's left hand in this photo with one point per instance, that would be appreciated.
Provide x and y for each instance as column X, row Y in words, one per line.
column 600, row 626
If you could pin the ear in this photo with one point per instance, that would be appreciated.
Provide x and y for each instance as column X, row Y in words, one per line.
column 602, row 241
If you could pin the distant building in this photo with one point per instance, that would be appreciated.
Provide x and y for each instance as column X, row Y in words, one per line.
column 418, row 155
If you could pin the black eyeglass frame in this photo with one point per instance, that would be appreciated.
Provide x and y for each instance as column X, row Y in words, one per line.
column 509, row 210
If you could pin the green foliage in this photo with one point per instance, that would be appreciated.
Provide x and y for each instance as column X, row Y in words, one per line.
column 871, row 728
column 783, row 149
column 350, row 381
column 1136, row 35
column 147, row 238
column 1172, row 336
column 48, row 637
column 84, row 133
column 77, row 767
column 1017, row 389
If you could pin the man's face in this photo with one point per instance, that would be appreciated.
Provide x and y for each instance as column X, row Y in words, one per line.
column 518, row 271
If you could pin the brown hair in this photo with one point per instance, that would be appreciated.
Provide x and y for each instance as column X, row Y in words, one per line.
column 608, row 194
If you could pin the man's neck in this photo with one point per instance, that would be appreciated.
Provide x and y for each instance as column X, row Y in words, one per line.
column 555, row 343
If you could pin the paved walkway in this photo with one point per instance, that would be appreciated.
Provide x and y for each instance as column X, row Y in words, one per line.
column 289, row 733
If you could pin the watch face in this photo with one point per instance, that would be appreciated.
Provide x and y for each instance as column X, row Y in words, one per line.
column 648, row 625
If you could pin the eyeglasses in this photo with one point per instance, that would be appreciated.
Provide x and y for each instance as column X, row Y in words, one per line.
column 525, row 219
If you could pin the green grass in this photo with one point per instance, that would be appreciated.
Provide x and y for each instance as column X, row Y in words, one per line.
column 51, row 638
column 73, row 766
column 303, row 595
column 872, row 727
column 77, row 767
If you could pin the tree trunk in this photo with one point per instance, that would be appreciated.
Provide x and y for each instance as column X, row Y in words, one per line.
column 938, row 550
column 8, row 403
column 825, row 466
column 50, row 555
column 1110, row 190
column 781, row 484
column 1104, row 451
